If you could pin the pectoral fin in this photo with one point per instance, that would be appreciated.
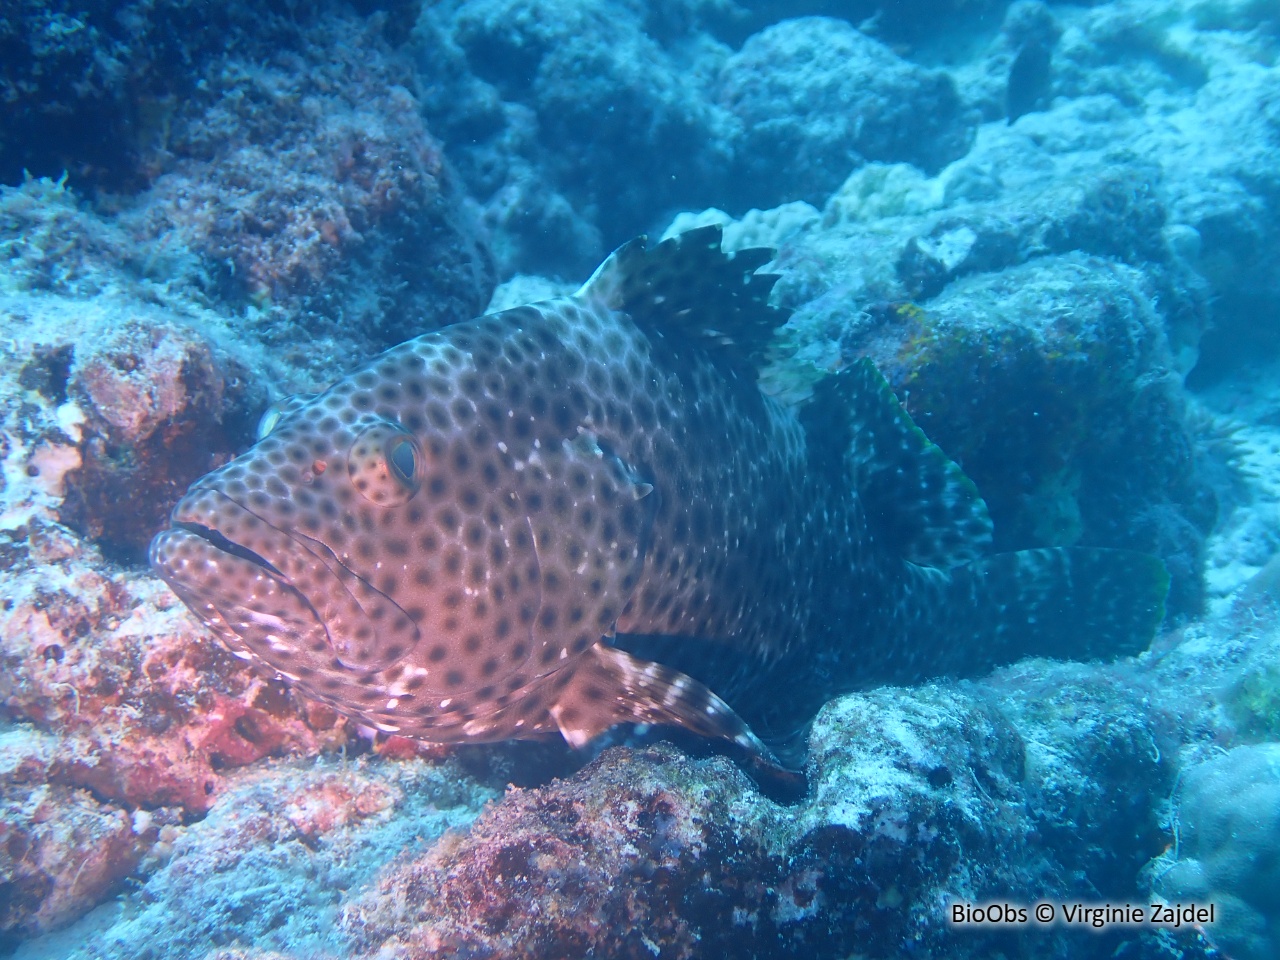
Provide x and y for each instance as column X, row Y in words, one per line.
column 610, row 686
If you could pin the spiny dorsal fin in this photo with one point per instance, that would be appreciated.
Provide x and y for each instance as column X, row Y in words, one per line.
column 687, row 286
column 917, row 502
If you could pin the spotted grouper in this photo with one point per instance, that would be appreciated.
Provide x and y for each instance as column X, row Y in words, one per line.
column 584, row 512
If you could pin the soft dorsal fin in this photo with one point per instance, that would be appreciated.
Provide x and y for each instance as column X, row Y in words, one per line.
column 918, row 503
column 687, row 286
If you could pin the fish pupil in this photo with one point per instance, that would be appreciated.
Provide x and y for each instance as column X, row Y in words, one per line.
column 404, row 461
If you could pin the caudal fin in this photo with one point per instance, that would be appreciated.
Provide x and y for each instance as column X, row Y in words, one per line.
column 1066, row 604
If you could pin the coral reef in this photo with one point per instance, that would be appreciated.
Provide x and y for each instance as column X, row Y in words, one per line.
column 271, row 862
column 308, row 184
column 817, row 98
column 161, row 408
column 1062, row 403
column 649, row 852
column 275, row 162
column 556, row 109
column 126, row 720
column 985, row 315
column 1040, row 219
column 1229, row 820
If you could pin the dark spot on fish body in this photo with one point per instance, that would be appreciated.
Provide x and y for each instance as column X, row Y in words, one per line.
column 438, row 416
column 545, row 338
column 562, row 417
column 494, row 414
column 463, row 411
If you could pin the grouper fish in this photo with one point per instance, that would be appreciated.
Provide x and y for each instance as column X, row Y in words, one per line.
column 584, row 512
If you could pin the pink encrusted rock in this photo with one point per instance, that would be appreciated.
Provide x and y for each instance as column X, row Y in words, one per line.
column 616, row 860
column 918, row 798
column 146, row 708
column 318, row 807
column 130, row 717
column 145, row 376
column 61, row 848
column 161, row 407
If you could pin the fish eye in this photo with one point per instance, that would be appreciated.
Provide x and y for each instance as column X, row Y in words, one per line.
column 403, row 460
column 384, row 464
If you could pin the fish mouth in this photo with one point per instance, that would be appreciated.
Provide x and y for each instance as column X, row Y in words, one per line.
column 244, row 598
column 219, row 541
column 286, row 581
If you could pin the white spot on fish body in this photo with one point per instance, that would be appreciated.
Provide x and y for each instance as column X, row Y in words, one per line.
column 279, row 646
